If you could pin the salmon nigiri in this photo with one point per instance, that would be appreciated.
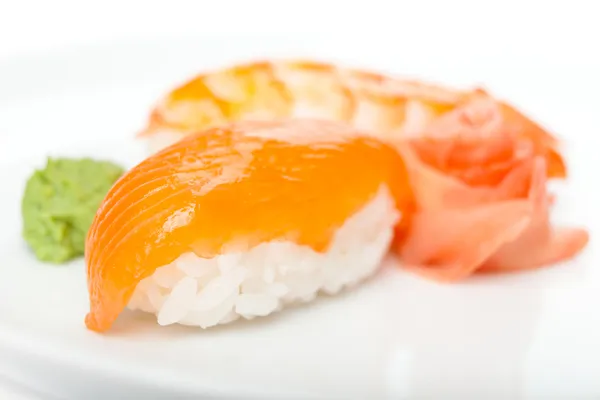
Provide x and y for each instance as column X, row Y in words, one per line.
column 240, row 220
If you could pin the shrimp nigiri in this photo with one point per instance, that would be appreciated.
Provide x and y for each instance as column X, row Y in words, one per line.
column 385, row 106
column 243, row 219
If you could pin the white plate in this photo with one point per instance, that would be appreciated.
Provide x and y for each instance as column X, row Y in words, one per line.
column 530, row 335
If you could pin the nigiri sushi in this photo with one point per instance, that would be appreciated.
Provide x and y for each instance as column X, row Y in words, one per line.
column 386, row 106
column 383, row 105
column 464, row 143
column 239, row 221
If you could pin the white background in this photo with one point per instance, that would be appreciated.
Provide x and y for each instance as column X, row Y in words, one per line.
column 522, row 35
column 526, row 31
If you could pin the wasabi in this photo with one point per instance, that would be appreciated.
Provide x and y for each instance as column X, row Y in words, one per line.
column 60, row 202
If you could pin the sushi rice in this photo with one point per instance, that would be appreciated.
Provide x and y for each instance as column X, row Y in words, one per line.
column 206, row 292
column 161, row 140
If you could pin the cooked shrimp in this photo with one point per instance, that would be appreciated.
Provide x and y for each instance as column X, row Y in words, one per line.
column 385, row 106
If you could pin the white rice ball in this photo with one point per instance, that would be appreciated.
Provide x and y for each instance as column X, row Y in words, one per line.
column 161, row 139
column 206, row 292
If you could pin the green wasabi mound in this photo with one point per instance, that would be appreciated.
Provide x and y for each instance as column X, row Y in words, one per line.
column 59, row 205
